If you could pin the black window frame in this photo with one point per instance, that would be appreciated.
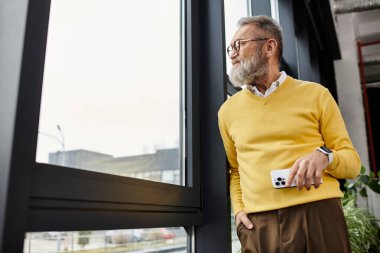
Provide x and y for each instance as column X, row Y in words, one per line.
column 46, row 197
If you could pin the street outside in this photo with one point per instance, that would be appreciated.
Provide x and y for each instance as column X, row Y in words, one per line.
column 55, row 242
column 96, row 241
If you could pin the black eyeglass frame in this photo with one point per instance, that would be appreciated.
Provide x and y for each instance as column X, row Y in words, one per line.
column 236, row 45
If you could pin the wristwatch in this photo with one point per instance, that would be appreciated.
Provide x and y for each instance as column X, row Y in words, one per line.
column 327, row 152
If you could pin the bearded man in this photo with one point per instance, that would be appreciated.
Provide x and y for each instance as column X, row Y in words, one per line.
column 277, row 122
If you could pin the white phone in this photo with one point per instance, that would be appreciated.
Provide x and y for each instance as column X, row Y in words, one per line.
column 279, row 178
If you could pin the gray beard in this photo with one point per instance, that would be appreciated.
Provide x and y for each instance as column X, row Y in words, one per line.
column 250, row 71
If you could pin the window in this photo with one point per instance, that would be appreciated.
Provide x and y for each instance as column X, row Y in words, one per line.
column 112, row 98
column 95, row 70
column 122, row 240
column 56, row 196
column 234, row 10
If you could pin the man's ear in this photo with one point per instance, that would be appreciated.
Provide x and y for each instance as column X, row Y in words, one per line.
column 271, row 47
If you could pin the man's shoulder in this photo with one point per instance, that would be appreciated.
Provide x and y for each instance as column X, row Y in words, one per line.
column 309, row 86
column 232, row 102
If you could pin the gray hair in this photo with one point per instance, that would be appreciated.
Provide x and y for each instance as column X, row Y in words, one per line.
column 268, row 26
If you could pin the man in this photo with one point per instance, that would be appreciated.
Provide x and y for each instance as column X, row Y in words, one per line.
column 278, row 122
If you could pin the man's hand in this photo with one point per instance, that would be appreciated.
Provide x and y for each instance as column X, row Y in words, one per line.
column 308, row 169
column 242, row 217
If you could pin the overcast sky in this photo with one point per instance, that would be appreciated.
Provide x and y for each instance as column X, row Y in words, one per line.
column 112, row 75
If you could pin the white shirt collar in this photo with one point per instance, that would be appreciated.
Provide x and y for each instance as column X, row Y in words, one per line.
column 280, row 80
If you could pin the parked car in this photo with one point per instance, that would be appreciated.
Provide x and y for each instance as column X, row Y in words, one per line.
column 123, row 236
column 152, row 234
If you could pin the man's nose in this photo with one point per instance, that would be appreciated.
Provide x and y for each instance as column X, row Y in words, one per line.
column 233, row 54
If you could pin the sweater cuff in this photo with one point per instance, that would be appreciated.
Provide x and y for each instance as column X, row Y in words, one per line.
column 332, row 166
column 238, row 207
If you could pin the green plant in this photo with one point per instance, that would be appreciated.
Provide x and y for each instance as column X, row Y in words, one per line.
column 363, row 227
column 363, row 230
column 361, row 183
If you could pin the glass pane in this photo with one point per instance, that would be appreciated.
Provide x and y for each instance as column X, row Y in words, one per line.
column 233, row 11
column 108, row 241
column 112, row 93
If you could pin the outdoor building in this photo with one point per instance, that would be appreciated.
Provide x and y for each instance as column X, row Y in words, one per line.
column 160, row 166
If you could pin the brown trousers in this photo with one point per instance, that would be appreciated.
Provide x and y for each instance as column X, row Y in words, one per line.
column 316, row 227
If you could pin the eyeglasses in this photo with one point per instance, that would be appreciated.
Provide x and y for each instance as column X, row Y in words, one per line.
column 236, row 45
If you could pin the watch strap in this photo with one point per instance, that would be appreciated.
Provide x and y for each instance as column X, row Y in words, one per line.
column 327, row 152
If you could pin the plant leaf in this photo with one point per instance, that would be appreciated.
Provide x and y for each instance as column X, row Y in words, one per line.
column 374, row 185
column 363, row 192
column 363, row 229
column 364, row 179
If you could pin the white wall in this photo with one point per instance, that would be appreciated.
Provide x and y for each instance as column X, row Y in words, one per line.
column 348, row 86
column 349, row 90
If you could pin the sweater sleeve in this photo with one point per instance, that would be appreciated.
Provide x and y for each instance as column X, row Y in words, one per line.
column 229, row 146
column 346, row 161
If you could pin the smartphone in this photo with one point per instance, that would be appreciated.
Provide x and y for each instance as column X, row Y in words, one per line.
column 279, row 178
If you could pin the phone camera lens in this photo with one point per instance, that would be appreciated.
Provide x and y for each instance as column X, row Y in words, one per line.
column 279, row 179
column 283, row 182
column 277, row 183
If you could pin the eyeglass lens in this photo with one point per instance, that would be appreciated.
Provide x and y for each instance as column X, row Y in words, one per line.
column 235, row 47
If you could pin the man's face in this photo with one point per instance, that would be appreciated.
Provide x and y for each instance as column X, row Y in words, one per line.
column 249, row 64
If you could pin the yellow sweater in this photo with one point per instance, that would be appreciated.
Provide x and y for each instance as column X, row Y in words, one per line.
column 263, row 134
